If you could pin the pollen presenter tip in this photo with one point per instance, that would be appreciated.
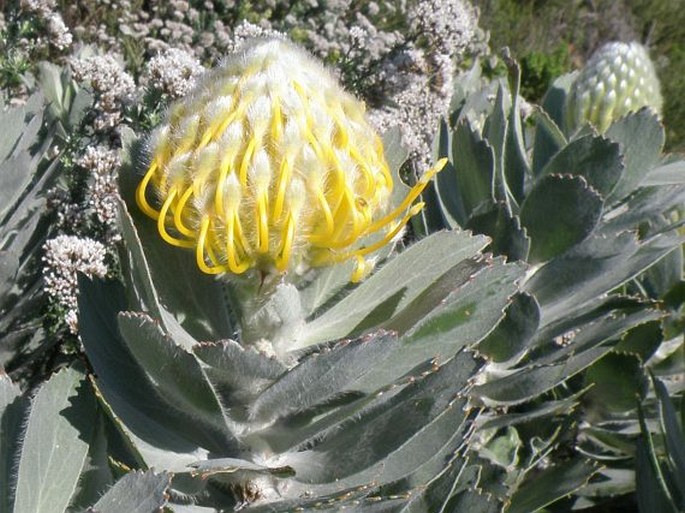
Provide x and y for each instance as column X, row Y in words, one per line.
column 270, row 165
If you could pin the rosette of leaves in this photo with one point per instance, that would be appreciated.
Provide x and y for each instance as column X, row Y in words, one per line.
column 365, row 406
column 597, row 218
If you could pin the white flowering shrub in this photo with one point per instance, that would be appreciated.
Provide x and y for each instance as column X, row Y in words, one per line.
column 172, row 72
column 65, row 257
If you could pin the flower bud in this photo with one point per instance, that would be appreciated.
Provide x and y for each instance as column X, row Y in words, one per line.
column 618, row 79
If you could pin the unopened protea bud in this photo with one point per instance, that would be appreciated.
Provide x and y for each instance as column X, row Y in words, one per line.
column 269, row 165
column 619, row 78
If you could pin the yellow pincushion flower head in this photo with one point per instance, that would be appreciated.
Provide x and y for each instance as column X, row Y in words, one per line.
column 270, row 165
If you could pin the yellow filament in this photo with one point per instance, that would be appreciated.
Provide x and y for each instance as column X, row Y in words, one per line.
column 249, row 72
column 379, row 145
column 364, row 211
column 413, row 194
column 392, row 233
column 241, row 236
column 176, row 112
column 186, row 144
column 335, row 164
column 323, row 203
column 226, row 165
column 250, row 183
column 141, row 199
column 262, row 222
column 364, row 161
column 283, row 180
column 382, row 242
column 284, row 257
column 369, row 179
column 299, row 89
column 338, row 190
column 231, row 250
column 206, row 138
column 244, row 164
column 178, row 212
column 345, row 213
column 305, row 122
column 200, row 251
column 344, row 138
column 216, row 129
column 313, row 142
column 360, row 269
column 388, row 178
column 161, row 220
column 210, row 250
column 230, row 119
column 277, row 120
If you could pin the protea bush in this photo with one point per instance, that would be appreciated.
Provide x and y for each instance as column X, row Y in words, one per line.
column 274, row 344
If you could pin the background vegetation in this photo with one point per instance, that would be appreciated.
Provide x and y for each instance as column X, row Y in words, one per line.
column 550, row 37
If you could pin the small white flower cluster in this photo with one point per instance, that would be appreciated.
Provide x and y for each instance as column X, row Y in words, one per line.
column 354, row 35
column 173, row 72
column 44, row 10
column 419, row 92
column 59, row 35
column 112, row 85
column 246, row 31
column 66, row 256
column 69, row 214
column 449, row 25
column 417, row 82
column 368, row 44
column 162, row 26
column 39, row 7
column 102, row 164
